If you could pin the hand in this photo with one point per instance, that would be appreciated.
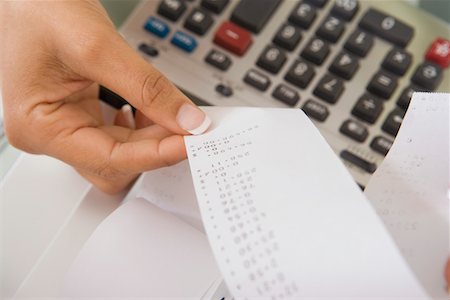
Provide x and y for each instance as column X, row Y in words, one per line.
column 53, row 55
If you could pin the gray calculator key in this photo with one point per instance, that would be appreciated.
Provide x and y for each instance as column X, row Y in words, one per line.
column 331, row 29
column 316, row 51
column 171, row 9
column 257, row 80
column 315, row 110
column 272, row 59
column 393, row 121
column 218, row 60
column 397, row 61
column 359, row 43
column 387, row 27
column 363, row 163
column 344, row 65
column 381, row 145
column 303, row 15
column 254, row 14
column 287, row 37
column 427, row 75
column 405, row 96
column 318, row 3
column 345, row 9
column 368, row 108
column 354, row 130
column 286, row 95
column 329, row 88
column 215, row 6
column 382, row 84
column 198, row 21
column 300, row 74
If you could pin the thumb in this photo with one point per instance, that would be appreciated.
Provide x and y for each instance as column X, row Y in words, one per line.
column 107, row 59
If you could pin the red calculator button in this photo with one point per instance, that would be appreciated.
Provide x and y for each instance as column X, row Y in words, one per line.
column 439, row 52
column 233, row 38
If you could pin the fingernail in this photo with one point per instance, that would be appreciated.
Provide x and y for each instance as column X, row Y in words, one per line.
column 128, row 114
column 192, row 119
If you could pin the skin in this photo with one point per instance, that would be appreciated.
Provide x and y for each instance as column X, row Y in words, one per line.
column 51, row 65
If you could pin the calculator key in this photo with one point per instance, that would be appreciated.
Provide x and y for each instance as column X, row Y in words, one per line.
column 439, row 52
column 148, row 49
column 224, row 90
column 345, row 9
column 315, row 110
column 397, row 61
column 233, row 38
column 316, row 51
column 184, row 41
column 387, row 27
column 287, row 37
column 329, row 88
column 157, row 27
column 354, row 130
column 344, row 65
column 254, row 14
column 218, row 60
column 257, row 80
column 427, row 75
column 359, row 43
column 300, row 74
column 215, row 6
column 393, row 121
column 364, row 164
column 171, row 9
column 382, row 84
column 198, row 21
column 303, row 15
column 272, row 59
column 405, row 96
column 381, row 145
column 368, row 108
column 318, row 3
column 331, row 29
column 286, row 95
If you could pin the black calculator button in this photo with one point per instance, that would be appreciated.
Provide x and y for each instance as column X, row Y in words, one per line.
column 318, row 3
column 218, row 60
column 198, row 21
column 364, row 164
column 316, row 110
column 316, row 51
column 303, row 15
column 286, row 95
column 300, row 73
column 171, row 9
column 329, row 88
column 257, row 80
column 381, row 145
column 354, row 130
column 148, row 49
column 224, row 90
column 368, row 108
column 216, row 6
column 387, row 27
column 397, row 61
column 359, row 43
column 344, row 65
column 382, row 84
column 331, row 29
column 393, row 121
column 253, row 14
column 345, row 9
column 272, row 59
column 287, row 37
column 427, row 75
column 405, row 96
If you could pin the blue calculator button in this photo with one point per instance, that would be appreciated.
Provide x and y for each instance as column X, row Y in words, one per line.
column 157, row 27
column 184, row 41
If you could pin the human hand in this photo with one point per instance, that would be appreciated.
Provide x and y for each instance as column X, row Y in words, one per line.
column 53, row 56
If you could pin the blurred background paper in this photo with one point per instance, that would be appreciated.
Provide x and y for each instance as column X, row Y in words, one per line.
column 409, row 190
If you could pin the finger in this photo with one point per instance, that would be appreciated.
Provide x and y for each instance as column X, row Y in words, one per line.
column 125, row 118
column 109, row 186
column 107, row 59
column 142, row 120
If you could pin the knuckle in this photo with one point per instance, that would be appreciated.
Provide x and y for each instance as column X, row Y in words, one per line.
column 155, row 89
